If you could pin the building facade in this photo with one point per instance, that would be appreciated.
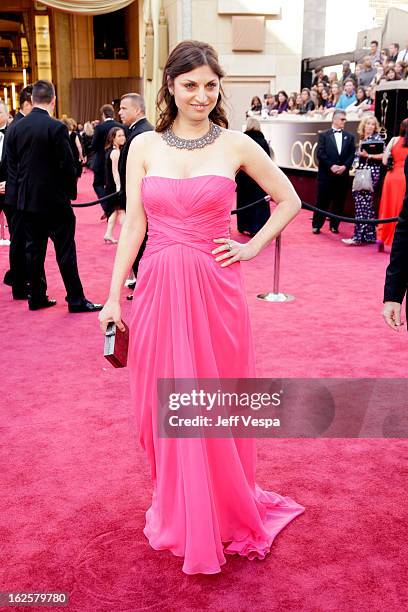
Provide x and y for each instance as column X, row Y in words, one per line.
column 86, row 56
column 93, row 59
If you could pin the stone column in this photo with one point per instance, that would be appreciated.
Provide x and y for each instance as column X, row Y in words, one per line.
column 314, row 26
column 151, row 10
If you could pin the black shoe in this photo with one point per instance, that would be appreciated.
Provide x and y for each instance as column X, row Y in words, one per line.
column 84, row 306
column 316, row 230
column 21, row 295
column 334, row 230
column 8, row 279
column 44, row 303
column 129, row 297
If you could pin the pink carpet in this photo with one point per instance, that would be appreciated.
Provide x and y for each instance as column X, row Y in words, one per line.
column 75, row 485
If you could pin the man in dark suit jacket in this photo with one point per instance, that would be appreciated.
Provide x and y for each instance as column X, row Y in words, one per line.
column 132, row 114
column 396, row 281
column 101, row 132
column 17, row 274
column 26, row 103
column 40, row 182
column 4, row 116
column 335, row 153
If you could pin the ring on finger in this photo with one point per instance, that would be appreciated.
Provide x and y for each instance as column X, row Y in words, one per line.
column 229, row 245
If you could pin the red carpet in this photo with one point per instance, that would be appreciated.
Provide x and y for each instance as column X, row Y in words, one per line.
column 75, row 485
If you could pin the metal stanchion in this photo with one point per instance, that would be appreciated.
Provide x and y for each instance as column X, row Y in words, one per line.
column 3, row 240
column 276, row 296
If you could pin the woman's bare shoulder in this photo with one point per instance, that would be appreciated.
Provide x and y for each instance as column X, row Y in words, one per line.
column 147, row 137
column 234, row 142
column 233, row 136
column 144, row 141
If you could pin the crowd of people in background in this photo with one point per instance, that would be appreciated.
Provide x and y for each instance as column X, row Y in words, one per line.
column 343, row 164
column 351, row 90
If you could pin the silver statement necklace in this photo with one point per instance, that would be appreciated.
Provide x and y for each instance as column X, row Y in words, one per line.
column 194, row 143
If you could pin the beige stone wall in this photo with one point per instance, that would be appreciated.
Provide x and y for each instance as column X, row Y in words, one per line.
column 277, row 67
column 283, row 42
column 133, row 34
column 73, row 55
column 381, row 7
column 62, row 68
column 83, row 63
column 173, row 13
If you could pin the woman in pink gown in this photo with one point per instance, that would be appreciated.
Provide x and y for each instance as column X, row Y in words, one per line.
column 189, row 316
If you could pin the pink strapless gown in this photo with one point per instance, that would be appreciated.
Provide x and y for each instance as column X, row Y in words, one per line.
column 190, row 320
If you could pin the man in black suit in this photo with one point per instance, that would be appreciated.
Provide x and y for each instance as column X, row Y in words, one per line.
column 98, row 147
column 40, row 182
column 335, row 153
column 17, row 274
column 132, row 114
column 4, row 117
column 396, row 281
column 393, row 51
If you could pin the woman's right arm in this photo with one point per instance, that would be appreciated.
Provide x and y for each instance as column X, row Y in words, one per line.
column 79, row 147
column 132, row 232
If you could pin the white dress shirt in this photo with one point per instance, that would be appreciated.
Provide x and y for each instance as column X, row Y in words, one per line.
column 2, row 140
column 403, row 56
column 338, row 136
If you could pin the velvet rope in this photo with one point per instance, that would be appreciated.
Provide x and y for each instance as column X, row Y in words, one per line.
column 267, row 198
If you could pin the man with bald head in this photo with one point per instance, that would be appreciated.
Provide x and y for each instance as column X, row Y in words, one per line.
column 132, row 114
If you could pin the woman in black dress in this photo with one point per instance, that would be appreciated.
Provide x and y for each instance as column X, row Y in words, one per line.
column 86, row 141
column 75, row 143
column 114, row 142
column 251, row 220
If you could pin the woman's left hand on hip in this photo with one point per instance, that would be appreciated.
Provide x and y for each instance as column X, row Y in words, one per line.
column 231, row 251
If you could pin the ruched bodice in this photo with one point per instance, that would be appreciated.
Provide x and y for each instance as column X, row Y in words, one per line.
column 190, row 212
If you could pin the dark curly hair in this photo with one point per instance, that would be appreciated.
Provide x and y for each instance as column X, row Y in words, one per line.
column 186, row 56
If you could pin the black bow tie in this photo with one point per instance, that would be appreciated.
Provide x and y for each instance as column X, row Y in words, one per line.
column 3, row 130
column 337, row 131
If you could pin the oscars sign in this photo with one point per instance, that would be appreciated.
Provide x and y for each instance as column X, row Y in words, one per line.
column 294, row 140
column 303, row 155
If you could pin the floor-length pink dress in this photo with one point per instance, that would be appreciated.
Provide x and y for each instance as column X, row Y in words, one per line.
column 190, row 320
